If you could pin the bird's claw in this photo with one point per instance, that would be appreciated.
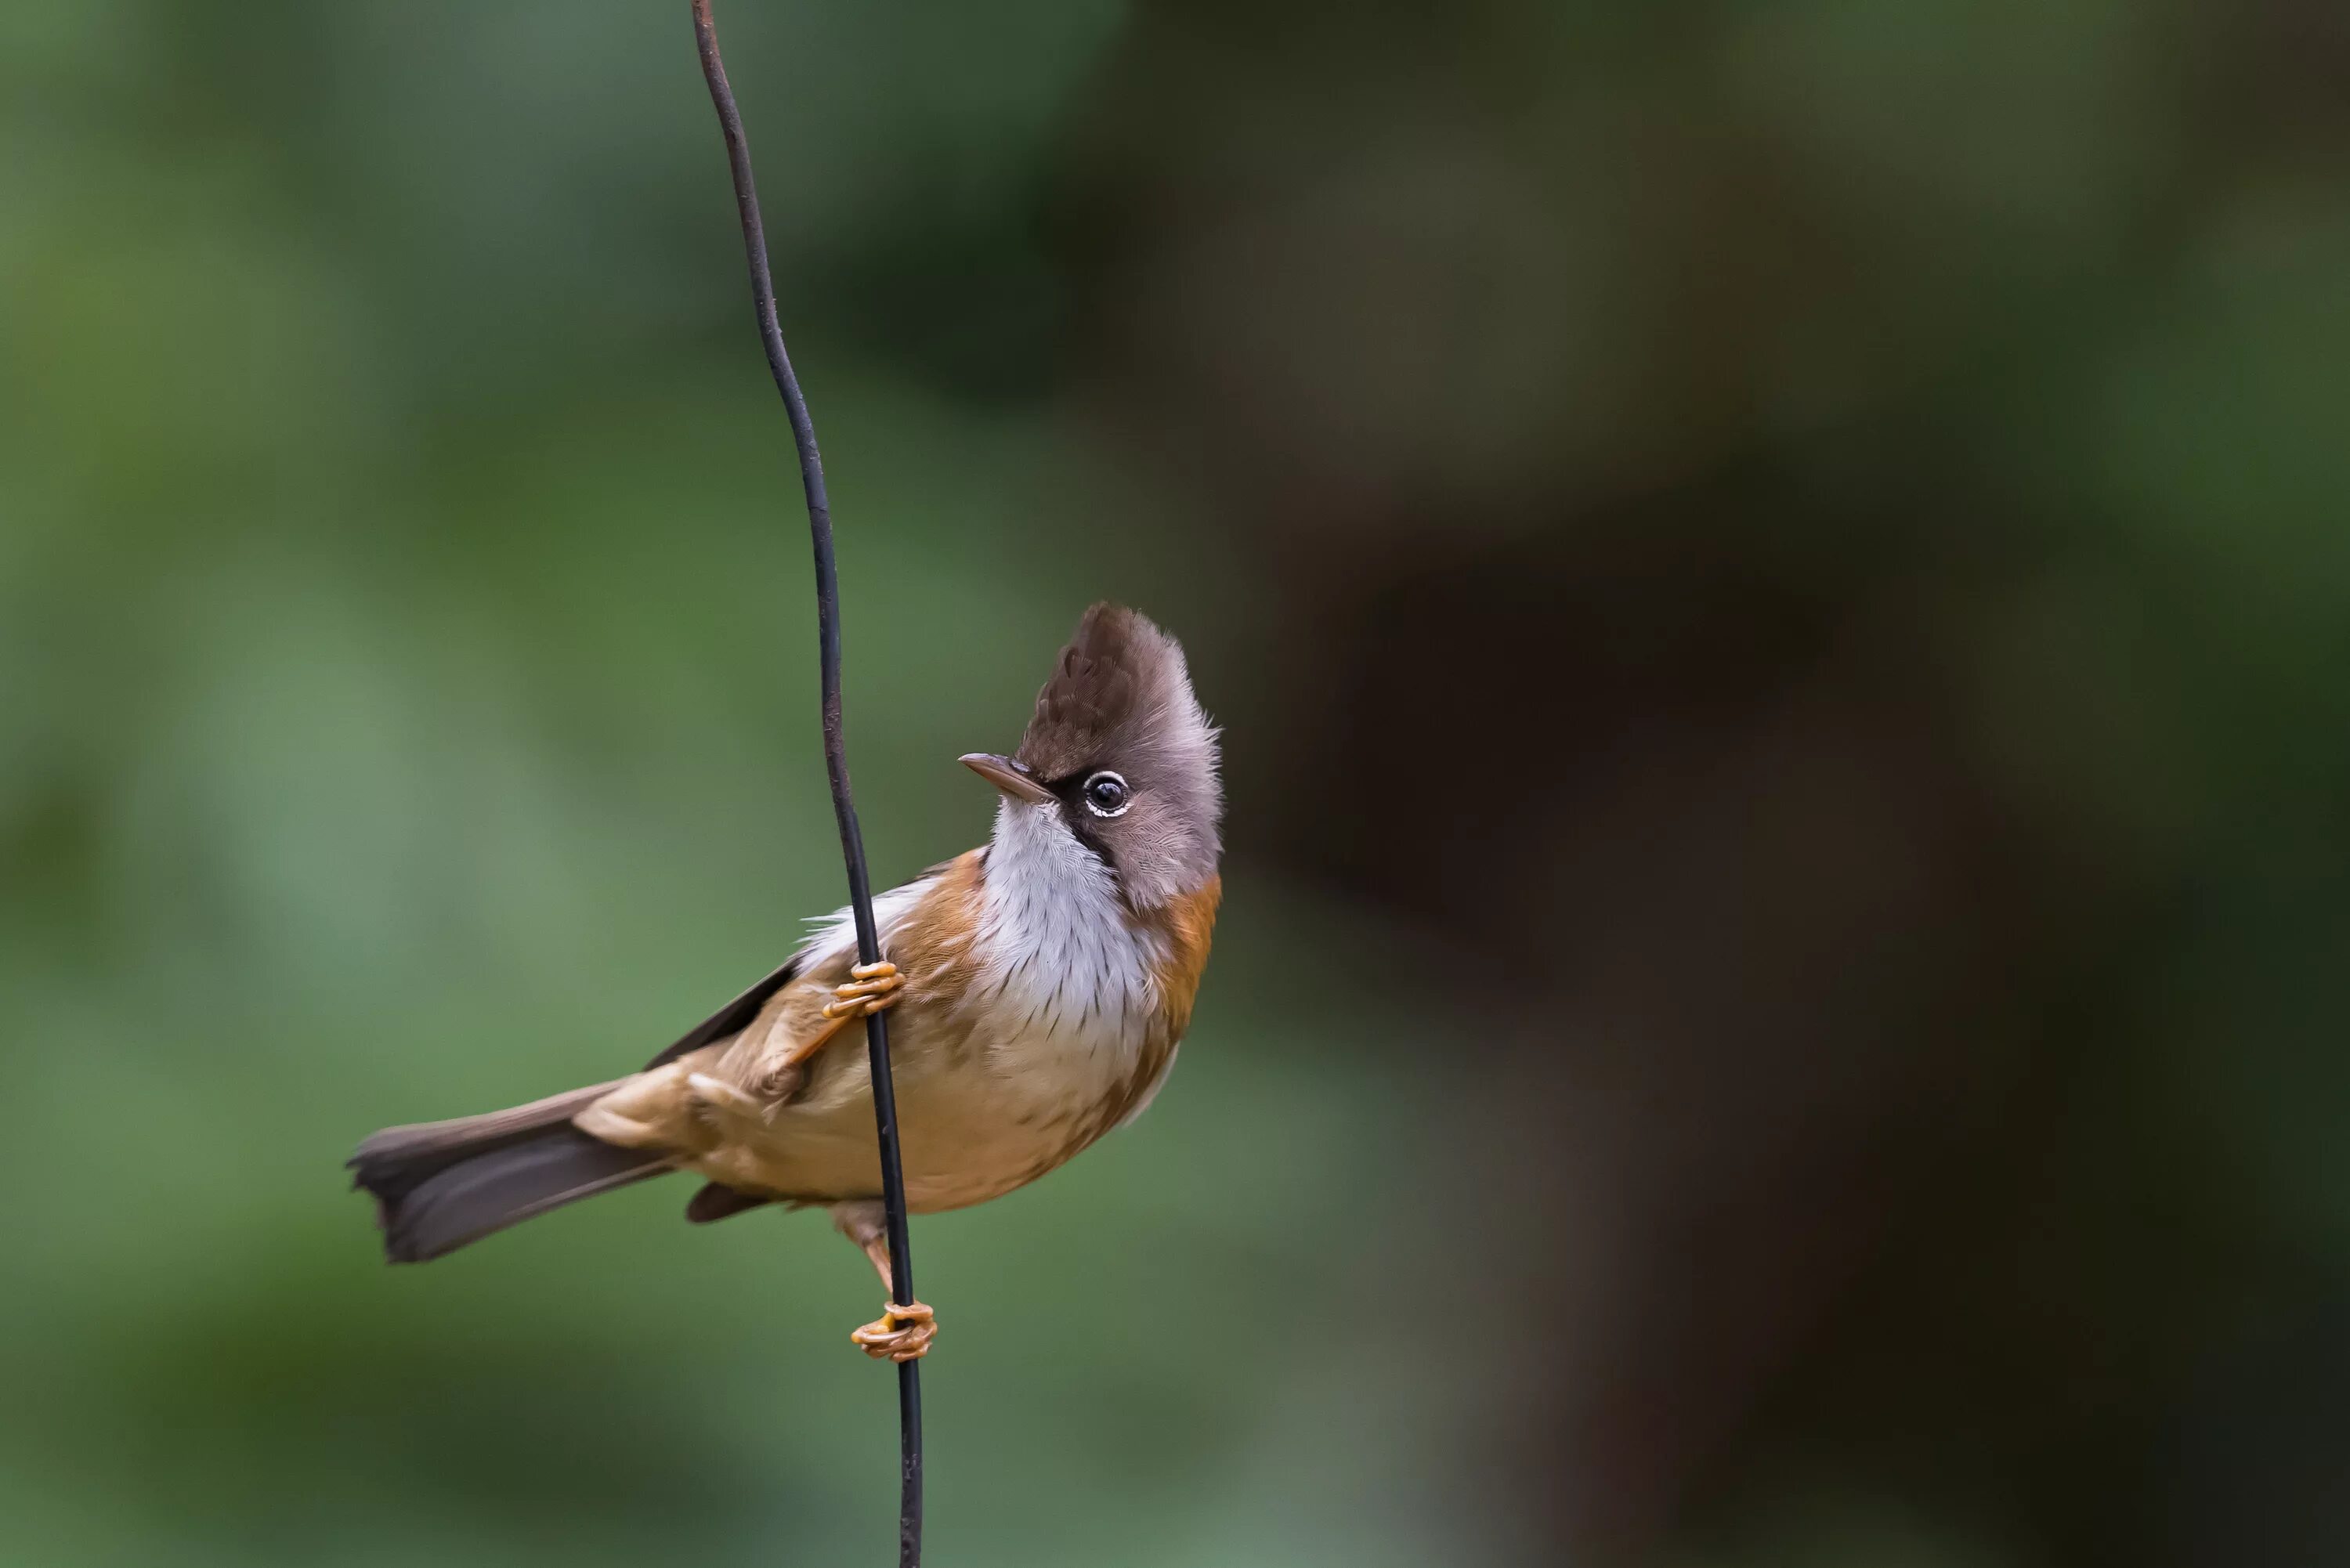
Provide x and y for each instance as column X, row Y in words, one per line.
column 900, row 1333
column 871, row 988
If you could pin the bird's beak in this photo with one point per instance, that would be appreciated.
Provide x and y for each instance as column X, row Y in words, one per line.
column 1011, row 777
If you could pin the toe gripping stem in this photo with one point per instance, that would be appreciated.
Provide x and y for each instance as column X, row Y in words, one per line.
column 871, row 988
column 901, row 1333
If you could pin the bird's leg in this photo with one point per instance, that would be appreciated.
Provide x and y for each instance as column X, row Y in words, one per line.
column 869, row 988
column 900, row 1333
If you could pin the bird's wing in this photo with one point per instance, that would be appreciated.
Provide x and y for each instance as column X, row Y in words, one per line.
column 732, row 1018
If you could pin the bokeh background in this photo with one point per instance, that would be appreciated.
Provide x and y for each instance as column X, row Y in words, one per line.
column 1777, row 580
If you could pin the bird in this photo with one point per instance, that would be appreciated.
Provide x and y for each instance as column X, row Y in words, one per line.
column 1039, row 986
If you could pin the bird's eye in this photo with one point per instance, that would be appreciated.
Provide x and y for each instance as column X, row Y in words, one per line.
column 1105, row 794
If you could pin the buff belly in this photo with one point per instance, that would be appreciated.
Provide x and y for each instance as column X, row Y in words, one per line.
column 979, row 1114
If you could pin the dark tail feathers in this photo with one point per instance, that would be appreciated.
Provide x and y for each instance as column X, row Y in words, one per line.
column 439, row 1184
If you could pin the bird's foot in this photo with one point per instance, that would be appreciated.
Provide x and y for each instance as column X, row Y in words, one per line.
column 871, row 988
column 900, row 1333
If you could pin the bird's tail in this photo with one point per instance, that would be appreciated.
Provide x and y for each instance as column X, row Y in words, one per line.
column 440, row 1185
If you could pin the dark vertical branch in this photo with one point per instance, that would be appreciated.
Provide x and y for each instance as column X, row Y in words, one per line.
column 836, row 762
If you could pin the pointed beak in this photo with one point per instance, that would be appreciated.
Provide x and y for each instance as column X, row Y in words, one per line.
column 1012, row 778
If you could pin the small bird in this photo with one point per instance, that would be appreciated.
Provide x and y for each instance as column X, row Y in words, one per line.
column 1040, row 983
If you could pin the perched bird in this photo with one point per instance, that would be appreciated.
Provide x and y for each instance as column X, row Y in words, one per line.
column 1041, row 985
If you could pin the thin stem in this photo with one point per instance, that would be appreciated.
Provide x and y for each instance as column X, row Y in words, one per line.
column 836, row 762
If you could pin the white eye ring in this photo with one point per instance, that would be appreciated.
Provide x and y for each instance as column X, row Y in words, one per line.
column 1125, row 796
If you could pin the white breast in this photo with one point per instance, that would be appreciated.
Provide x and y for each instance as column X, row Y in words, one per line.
column 1058, row 960
column 1059, row 964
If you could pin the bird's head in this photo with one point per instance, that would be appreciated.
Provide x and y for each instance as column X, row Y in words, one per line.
column 1119, row 758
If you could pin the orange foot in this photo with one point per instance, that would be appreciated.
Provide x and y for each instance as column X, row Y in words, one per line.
column 900, row 1333
column 871, row 988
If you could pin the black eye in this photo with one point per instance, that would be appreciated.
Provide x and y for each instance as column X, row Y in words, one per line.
column 1105, row 794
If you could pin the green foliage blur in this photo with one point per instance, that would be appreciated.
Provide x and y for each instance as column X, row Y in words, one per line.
column 407, row 707
column 406, row 663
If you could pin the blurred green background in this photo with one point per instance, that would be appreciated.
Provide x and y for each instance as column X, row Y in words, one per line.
column 1776, row 580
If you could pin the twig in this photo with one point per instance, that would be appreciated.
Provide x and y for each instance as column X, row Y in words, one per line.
column 836, row 764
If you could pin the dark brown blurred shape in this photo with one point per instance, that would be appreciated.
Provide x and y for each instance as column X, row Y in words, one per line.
column 1647, row 455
